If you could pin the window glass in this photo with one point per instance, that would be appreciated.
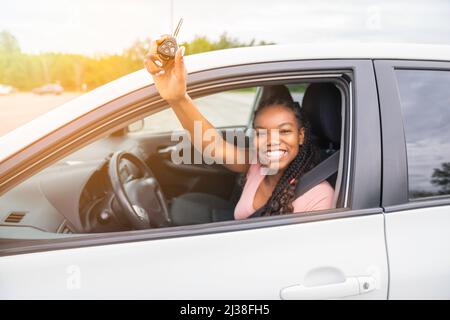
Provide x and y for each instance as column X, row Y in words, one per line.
column 425, row 103
column 225, row 109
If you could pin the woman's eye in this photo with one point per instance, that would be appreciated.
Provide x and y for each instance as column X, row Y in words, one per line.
column 285, row 131
column 261, row 133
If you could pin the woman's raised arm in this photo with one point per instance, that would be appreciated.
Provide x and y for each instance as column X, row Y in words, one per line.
column 170, row 81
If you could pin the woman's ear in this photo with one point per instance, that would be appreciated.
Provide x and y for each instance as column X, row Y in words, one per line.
column 301, row 136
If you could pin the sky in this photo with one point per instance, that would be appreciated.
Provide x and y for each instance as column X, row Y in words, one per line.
column 109, row 26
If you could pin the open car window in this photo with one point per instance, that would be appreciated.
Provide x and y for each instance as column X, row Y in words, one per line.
column 230, row 108
column 75, row 196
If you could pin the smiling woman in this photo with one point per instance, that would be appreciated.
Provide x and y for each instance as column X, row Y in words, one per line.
column 288, row 152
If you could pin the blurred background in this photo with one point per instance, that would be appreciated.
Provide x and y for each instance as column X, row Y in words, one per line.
column 54, row 50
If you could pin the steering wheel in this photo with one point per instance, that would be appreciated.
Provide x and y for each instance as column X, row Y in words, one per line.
column 140, row 198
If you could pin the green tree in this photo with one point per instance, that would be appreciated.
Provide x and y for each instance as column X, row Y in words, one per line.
column 8, row 43
column 441, row 178
column 204, row 44
column 27, row 71
column 11, row 60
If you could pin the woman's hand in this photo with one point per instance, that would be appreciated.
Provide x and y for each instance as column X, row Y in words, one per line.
column 169, row 76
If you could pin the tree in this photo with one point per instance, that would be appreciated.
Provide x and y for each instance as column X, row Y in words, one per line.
column 27, row 71
column 8, row 43
column 11, row 60
column 203, row 44
column 441, row 178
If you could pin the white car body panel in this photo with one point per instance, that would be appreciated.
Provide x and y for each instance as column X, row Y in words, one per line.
column 419, row 253
column 250, row 264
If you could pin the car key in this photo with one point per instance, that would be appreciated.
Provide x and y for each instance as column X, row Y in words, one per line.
column 169, row 47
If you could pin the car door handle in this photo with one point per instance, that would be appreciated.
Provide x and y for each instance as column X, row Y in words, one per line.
column 350, row 287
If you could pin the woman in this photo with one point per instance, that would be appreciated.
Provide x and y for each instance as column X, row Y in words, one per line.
column 280, row 126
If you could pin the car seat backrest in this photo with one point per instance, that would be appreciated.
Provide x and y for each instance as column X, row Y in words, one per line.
column 322, row 104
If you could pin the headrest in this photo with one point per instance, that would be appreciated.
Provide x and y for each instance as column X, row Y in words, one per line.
column 279, row 92
column 322, row 104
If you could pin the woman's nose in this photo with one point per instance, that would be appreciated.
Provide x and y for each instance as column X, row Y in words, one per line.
column 268, row 138
column 273, row 138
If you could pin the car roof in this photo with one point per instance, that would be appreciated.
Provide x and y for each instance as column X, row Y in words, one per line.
column 26, row 134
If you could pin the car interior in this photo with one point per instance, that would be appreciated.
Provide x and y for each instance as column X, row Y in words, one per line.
column 128, row 181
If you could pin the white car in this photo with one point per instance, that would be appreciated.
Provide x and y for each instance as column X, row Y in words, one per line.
column 71, row 225
column 51, row 88
column 5, row 89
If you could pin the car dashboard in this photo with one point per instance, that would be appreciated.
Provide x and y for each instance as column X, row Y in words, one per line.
column 65, row 197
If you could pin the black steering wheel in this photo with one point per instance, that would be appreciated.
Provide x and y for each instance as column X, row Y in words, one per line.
column 140, row 197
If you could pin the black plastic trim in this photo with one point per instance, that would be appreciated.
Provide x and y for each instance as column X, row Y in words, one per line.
column 365, row 191
column 419, row 204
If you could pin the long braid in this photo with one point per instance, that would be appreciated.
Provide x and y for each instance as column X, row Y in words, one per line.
column 283, row 195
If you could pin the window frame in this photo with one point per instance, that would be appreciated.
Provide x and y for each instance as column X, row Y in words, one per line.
column 362, row 179
column 395, row 188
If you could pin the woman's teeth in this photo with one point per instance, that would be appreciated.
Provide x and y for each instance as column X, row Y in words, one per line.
column 276, row 154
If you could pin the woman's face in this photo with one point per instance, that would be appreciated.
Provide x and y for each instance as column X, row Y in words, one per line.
column 278, row 136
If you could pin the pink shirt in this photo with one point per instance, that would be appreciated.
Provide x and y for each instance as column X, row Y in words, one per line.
column 318, row 198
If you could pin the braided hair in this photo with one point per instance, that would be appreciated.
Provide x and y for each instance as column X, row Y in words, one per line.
column 307, row 158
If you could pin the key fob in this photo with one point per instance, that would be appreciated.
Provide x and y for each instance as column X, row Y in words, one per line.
column 168, row 48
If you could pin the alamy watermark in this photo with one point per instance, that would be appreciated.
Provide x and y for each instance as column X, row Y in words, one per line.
column 73, row 280
column 235, row 147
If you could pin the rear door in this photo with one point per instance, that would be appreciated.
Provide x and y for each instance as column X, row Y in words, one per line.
column 415, row 114
column 339, row 253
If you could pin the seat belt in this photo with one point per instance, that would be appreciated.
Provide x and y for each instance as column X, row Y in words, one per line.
column 319, row 173
column 312, row 178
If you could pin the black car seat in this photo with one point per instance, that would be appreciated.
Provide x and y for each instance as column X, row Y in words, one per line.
column 196, row 207
column 322, row 104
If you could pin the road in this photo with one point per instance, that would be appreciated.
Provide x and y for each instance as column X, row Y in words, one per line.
column 19, row 108
column 221, row 109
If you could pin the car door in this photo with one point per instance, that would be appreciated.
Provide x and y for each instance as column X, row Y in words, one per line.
column 338, row 253
column 415, row 114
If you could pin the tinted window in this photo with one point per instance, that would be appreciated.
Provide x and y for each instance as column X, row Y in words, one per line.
column 425, row 101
